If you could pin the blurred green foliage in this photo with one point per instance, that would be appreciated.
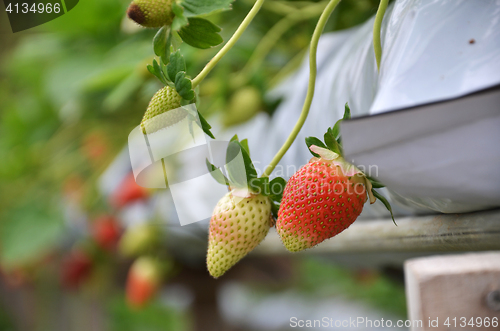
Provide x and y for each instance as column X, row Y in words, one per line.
column 326, row 279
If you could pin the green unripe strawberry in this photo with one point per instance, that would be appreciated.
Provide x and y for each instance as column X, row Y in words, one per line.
column 139, row 239
column 237, row 226
column 243, row 105
column 151, row 13
column 163, row 101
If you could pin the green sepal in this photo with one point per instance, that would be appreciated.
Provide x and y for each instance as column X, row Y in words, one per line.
column 375, row 183
column 184, row 86
column 244, row 144
column 176, row 65
column 276, row 188
column 331, row 142
column 237, row 178
column 314, row 141
column 205, row 126
column 161, row 44
column 275, row 207
column 156, row 71
column 200, row 33
column 217, row 174
column 347, row 112
column 179, row 20
column 385, row 202
column 259, row 185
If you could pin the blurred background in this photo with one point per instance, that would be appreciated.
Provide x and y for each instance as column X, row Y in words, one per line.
column 71, row 90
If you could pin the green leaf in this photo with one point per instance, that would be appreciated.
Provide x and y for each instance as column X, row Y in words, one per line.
column 314, row 141
column 234, row 138
column 176, row 65
column 161, row 44
column 184, row 86
column 205, row 126
column 217, row 174
column 276, row 187
column 200, row 33
column 385, row 202
column 204, row 7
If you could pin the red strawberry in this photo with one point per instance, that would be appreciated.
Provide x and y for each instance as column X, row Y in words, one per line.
column 321, row 200
column 127, row 192
column 143, row 282
column 325, row 196
column 75, row 269
column 106, row 232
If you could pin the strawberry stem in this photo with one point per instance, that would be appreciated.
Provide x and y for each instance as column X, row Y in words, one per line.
column 231, row 42
column 310, row 89
column 271, row 38
column 377, row 47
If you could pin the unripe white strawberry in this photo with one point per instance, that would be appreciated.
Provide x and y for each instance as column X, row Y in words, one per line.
column 166, row 99
column 237, row 226
column 151, row 13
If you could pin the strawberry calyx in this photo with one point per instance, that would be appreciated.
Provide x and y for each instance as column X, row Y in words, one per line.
column 242, row 179
column 331, row 150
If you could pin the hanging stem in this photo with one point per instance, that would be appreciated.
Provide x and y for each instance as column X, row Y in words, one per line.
column 271, row 38
column 237, row 34
column 310, row 89
column 377, row 46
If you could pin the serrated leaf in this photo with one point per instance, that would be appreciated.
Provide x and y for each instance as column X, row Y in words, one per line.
column 217, row 173
column 184, row 86
column 200, row 33
column 276, row 187
column 385, row 202
column 314, row 141
column 204, row 7
column 205, row 126
column 176, row 65
column 161, row 44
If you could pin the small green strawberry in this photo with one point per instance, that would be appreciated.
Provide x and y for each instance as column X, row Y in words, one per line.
column 237, row 226
column 166, row 99
column 151, row 13
column 243, row 105
column 140, row 239
column 325, row 196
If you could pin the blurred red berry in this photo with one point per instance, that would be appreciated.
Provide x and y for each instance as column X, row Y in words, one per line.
column 75, row 269
column 127, row 192
column 143, row 282
column 106, row 232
